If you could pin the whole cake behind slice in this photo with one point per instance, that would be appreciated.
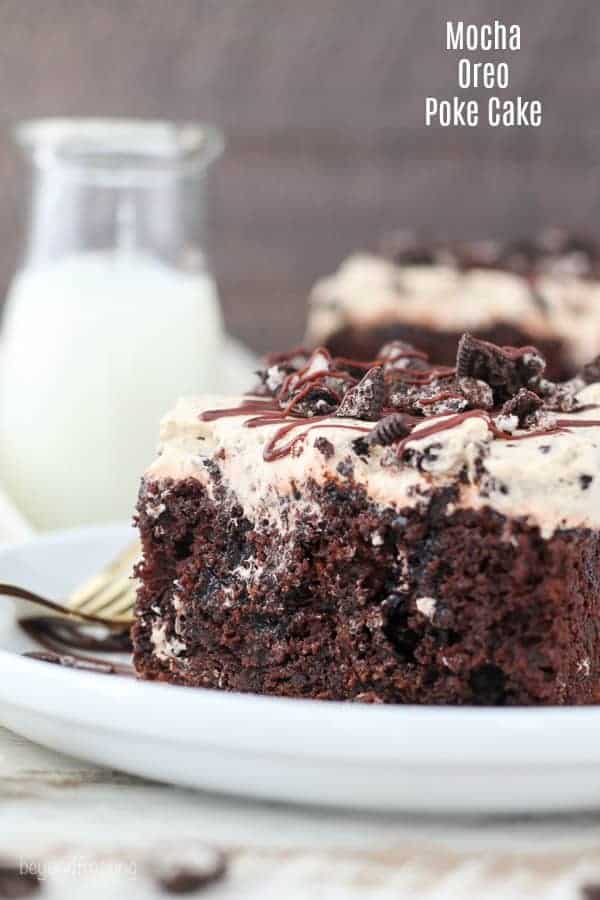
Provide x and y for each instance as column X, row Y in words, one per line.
column 395, row 532
column 544, row 291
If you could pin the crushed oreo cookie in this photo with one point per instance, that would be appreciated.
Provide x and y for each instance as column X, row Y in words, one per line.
column 561, row 397
column 390, row 429
column 503, row 386
column 400, row 355
column 523, row 405
column 278, row 368
column 439, row 400
column 553, row 250
column 271, row 379
column 411, row 248
column 478, row 394
column 505, row 370
column 312, row 401
column 364, row 400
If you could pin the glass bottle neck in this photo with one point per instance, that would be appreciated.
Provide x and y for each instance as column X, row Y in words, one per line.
column 70, row 216
column 117, row 187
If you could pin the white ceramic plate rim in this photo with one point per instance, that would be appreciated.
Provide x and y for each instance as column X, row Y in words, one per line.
column 417, row 736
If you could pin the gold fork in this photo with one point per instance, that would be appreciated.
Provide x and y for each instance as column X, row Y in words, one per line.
column 107, row 597
column 110, row 594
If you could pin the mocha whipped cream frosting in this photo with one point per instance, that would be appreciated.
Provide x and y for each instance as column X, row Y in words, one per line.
column 369, row 290
column 399, row 431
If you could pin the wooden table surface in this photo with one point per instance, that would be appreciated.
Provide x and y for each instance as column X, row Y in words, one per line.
column 103, row 827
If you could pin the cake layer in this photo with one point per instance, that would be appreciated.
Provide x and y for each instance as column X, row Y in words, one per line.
column 364, row 601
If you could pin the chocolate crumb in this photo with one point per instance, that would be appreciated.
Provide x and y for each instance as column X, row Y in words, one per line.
column 325, row 447
column 361, row 446
column 585, row 481
column 391, row 428
column 522, row 405
column 317, row 401
column 364, row 400
column 488, row 684
column 189, row 871
column 14, row 882
column 442, row 616
column 590, row 892
column 366, row 697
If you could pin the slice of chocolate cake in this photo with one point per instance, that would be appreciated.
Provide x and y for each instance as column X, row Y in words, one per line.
column 545, row 291
column 389, row 532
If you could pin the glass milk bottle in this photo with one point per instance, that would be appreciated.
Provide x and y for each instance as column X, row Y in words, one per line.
column 112, row 316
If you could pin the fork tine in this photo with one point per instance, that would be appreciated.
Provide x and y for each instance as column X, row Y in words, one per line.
column 122, row 606
column 111, row 588
column 87, row 591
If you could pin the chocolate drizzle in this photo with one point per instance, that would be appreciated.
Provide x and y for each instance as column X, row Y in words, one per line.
column 447, row 423
column 424, row 376
column 60, row 636
column 264, row 412
column 273, row 449
column 62, row 639
column 488, row 382
column 85, row 663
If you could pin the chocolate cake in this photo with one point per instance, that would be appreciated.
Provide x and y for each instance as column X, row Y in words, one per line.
column 544, row 291
column 391, row 531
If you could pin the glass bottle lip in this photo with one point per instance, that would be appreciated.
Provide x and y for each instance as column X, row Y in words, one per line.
column 118, row 150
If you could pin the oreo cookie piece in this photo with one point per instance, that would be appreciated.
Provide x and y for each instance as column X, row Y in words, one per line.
column 364, row 400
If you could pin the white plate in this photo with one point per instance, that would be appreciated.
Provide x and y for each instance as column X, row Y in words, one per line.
column 381, row 757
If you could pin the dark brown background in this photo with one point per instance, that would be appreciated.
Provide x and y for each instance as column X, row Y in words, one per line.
column 322, row 102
